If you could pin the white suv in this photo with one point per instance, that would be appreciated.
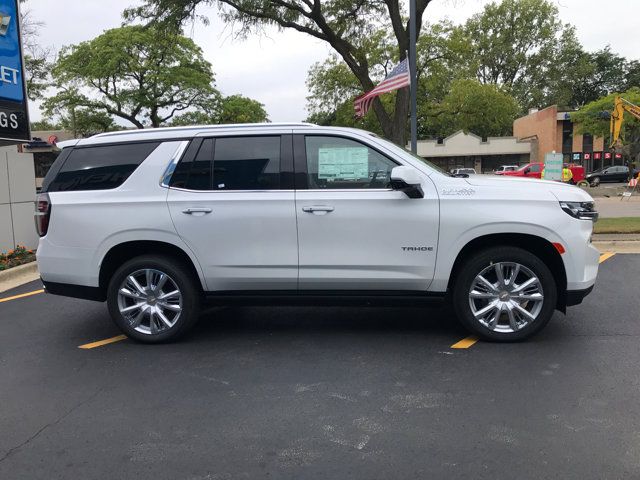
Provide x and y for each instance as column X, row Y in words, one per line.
column 155, row 221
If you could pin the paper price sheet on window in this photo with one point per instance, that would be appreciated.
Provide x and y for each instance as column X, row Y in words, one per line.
column 344, row 163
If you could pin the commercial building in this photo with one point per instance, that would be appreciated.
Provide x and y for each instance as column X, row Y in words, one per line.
column 553, row 131
column 466, row 150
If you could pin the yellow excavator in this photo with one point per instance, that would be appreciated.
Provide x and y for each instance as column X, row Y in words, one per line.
column 617, row 116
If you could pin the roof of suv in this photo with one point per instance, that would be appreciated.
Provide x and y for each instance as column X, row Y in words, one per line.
column 178, row 132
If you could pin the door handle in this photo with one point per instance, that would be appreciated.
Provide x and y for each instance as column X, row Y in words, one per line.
column 192, row 210
column 321, row 209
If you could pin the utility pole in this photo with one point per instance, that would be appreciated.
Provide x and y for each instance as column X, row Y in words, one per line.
column 413, row 74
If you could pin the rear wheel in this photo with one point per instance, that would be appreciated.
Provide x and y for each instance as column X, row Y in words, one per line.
column 153, row 299
column 504, row 294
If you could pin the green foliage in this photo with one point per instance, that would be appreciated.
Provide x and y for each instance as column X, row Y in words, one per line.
column 240, row 109
column 353, row 29
column 44, row 124
column 594, row 118
column 470, row 106
column 84, row 122
column 143, row 75
column 232, row 109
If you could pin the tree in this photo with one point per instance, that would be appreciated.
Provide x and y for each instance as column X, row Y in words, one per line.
column 36, row 58
column 345, row 25
column 594, row 118
column 521, row 46
column 143, row 75
column 232, row 109
column 240, row 109
column 472, row 107
column 84, row 122
column 332, row 86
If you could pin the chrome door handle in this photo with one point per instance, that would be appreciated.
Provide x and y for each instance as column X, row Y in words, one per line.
column 190, row 211
column 318, row 208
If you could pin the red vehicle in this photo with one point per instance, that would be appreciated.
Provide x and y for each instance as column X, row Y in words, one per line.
column 534, row 170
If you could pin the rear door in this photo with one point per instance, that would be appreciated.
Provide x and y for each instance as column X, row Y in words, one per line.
column 231, row 199
column 354, row 231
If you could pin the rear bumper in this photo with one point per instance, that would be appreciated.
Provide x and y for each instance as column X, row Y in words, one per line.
column 575, row 297
column 75, row 291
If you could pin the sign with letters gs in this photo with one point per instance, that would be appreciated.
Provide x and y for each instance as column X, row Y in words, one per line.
column 14, row 117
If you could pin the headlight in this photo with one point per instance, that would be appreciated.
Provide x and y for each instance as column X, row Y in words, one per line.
column 580, row 210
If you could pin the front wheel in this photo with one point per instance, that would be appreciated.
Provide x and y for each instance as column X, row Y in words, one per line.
column 153, row 299
column 504, row 294
column 595, row 181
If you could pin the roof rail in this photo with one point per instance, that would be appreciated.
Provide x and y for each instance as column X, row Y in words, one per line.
column 206, row 127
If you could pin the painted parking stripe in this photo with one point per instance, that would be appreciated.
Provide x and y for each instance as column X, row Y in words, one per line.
column 465, row 342
column 606, row 256
column 22, row 295
column 100, row 343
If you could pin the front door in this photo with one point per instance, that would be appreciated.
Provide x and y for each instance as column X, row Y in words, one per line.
column 354, row 232
column 231, row 202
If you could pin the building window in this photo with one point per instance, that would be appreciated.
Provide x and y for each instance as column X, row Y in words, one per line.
column 587, row 143
column 567, row 136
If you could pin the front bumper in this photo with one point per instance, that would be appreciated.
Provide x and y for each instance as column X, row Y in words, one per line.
column 575, row 297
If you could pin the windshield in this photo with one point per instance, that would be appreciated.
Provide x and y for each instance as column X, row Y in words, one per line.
column 401, row 150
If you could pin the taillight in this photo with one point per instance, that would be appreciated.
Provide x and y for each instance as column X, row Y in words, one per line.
column 43, row 212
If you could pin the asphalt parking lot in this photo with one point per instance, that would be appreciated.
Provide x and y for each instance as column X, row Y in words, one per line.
column 372, row 393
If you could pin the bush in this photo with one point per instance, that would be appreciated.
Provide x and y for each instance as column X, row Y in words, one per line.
column 18, row 256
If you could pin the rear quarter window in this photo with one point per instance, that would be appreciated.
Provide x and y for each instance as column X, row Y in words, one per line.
column 101, row 167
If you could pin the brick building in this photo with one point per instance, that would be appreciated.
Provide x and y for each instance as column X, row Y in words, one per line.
column 553, row 131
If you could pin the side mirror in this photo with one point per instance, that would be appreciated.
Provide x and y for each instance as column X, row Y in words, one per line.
column 407, row 180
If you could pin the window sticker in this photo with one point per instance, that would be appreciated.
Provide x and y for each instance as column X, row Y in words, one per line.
column 343, row 163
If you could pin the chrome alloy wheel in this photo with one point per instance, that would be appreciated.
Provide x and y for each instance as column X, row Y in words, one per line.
column 150, row 301
column 506, row 297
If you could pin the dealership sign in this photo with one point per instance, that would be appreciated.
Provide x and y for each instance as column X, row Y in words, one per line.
column 14, row 118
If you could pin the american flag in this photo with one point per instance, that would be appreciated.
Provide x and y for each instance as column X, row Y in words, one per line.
column 398, row 78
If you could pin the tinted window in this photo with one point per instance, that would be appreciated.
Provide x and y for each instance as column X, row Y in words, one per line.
column 535, row 168
column 246, row 163
column 334, row 162
column 194, row 173
column 100, row 168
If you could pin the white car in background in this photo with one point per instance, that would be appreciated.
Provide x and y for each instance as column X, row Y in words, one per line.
column 505, row 168
column 463, row 171
column 154, row 221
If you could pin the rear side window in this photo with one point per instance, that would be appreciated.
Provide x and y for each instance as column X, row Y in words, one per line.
column 100, row 168
column 230, row 163
column 249, row 163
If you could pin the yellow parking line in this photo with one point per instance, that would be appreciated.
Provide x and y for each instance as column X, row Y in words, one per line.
column 22, row 295
column 100, row 343
column 465, row 342
column 606, row 256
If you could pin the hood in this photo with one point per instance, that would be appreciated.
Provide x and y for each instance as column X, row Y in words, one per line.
column 562, row 191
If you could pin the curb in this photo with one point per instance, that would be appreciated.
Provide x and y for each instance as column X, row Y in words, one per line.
column 16, row 276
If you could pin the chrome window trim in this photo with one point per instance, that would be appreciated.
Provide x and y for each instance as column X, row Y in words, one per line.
column 323, row 190
column 175, row 158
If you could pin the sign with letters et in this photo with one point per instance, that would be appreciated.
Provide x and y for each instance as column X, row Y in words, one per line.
column 14, row 117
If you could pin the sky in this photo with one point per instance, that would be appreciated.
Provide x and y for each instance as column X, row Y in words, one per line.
column 273, row 68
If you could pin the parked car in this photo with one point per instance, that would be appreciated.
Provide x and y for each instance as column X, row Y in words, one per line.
column 153, row 221
column 616, row 173
column 463, row 172
column 505, row 168
column 534, row 170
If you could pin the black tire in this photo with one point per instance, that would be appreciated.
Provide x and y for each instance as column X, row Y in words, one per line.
column 595, row 181
column 478, row 262
column 183, row 279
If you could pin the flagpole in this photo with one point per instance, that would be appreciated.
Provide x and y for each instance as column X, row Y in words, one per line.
column 413, row 75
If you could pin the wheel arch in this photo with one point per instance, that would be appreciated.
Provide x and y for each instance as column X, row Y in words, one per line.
column 122, row 252
column 540, row 247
